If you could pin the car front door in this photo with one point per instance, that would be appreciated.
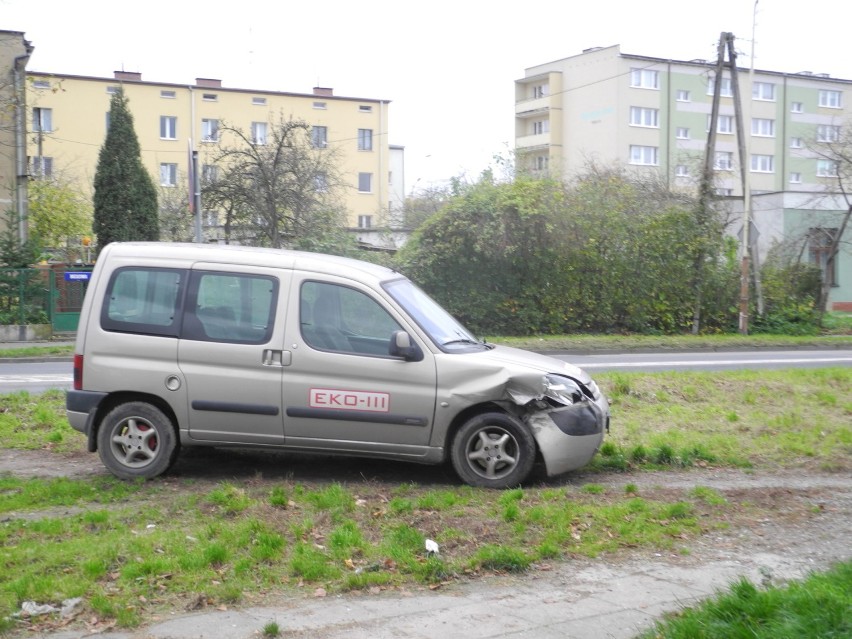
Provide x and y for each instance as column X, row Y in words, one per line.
column 344, row 391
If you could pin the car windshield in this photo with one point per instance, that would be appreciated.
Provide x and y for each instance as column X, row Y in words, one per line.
column 442, row 327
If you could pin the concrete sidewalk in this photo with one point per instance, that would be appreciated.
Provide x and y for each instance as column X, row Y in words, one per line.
column 575, row 599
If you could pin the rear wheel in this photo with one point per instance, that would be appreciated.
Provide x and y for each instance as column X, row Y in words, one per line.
column 493, row 450
column 136, row 439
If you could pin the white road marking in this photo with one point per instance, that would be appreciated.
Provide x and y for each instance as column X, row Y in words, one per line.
column 723, row 362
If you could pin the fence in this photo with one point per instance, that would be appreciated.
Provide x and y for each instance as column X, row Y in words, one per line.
column 52, row 294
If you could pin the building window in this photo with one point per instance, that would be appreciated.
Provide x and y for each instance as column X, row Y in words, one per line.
column 725, row 89
column 683, row 95
column 319, row 137
column 365, row 221
column 641, row 116
column 724, row 192
column 541, row 126
column 258, row 101
column 210, row 130
column 763, row 127
column 797, row 107
column 168, row 174
column 830, row 99
column 365, row 182
column 320, row 105
column 364, row 108
column 258, row 133
column 644, row 155
column 209, row 173
column 763, row 163
column 540, row 91
column 644, row 79
column 819, row 250
column 321, row 182
column 168, row 94
column 795, row 178
column 112, row 90
column 725, row 124
column 42, row 120
column 682, row 133
column 168, row 127
column 42, row 167
column 763, row 91
column 828, row 133
column 681, row 170
column 41, row 84
column 365, row 139
column 209, row 97
column 795, row 143
column 542, row 162
column 724, row 161
column 210, row 219
column 826, row 168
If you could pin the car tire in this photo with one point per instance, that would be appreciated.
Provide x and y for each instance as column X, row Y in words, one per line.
column 493, row 450
column 137, row 440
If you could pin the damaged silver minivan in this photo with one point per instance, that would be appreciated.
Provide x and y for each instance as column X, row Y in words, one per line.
column 202, row 345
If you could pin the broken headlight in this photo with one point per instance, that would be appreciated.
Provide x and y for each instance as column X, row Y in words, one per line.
column 562, row 390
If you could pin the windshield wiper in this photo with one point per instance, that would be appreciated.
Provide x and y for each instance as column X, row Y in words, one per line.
column 462, row 341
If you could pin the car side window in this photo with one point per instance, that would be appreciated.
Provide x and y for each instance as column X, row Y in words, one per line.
column 342, row 319
column 230, row 307
column 143, row 300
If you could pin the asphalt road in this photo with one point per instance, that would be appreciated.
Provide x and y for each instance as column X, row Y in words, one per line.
column 36, row 377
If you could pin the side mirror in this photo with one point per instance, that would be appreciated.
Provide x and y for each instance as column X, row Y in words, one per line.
column 402, row 346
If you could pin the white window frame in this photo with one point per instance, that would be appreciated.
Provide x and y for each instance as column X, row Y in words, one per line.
column 644, row 155
column 830, row 99
column 168, row 174
column 723, row 161
column 795, row 177
column 682, row 133
column 365, row 183
column 41, row 84
column 42, row 166
column 645, row 117
column 542, row 162
column 795, row 143
column 797, row 107
column 762, row 163
column 644, row 78
column 168, row 95
column 365, row 139
column 209, row 130
column 725, row 124
column 209, row 173
column 826, row 168
column 540, row 91
column 683, row 96
column 209, row 97
column 764, row 91
column 258, row 101
column 365, row 221
column 258, row 133
column 319, row 137
column 763, row 127
column 320, row 105
column 828, row 133
column 42, row 120
column 681, row 170
column 168, row 127
column 365, row 108
column 540, row 127
column 724, row 191
column 726, row 90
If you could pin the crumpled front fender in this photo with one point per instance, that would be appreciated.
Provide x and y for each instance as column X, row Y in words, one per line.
column 569, row 436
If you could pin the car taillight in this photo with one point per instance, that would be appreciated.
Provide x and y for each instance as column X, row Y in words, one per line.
column 78, row 372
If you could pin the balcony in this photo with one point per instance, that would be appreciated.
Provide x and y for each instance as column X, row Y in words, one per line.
column 532, row 107
column 530, row 142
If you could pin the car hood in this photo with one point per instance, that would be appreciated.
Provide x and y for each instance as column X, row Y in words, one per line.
column 508, row 357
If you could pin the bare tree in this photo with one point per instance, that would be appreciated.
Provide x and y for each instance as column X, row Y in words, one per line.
column 834, row 147
column 280, row 186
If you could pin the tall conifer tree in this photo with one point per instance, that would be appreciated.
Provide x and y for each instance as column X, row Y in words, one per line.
column 125, row 201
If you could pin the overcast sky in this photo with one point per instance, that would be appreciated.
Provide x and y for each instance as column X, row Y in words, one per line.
column 447, row 66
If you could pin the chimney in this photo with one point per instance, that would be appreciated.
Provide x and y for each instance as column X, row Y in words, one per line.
column 326, row 92
column 209, row 83
column 128, row 75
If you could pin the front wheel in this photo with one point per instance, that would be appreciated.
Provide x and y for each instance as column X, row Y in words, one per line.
column 493, row 450
column 136, row 439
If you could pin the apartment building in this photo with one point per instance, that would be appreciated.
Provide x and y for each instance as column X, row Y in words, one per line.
column 653, row 114
column 15, row 51
column 69, row 116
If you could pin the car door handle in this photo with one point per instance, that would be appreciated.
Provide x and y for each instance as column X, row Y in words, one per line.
column 272, row 357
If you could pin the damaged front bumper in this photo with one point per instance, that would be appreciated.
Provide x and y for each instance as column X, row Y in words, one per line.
column 569, row 436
